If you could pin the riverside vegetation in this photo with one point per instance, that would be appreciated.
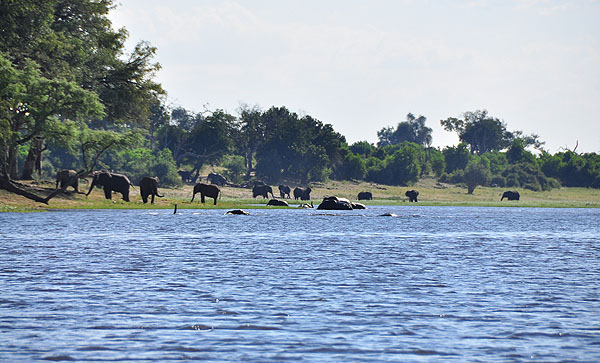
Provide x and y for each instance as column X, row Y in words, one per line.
column 432, row 193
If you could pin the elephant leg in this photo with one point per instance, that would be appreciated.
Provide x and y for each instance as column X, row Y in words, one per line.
column 215, row 198
column 152, row 202
column 107, row 193
column 202, row 199
column 125, row 196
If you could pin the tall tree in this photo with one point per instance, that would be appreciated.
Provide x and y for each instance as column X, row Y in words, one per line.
column 411, row 130
column 480, row 131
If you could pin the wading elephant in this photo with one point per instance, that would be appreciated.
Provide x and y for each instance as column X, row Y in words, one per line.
column 284, row 190
column 278, row 203
column 149, row 187
column 263, row 190
column 216, row 178
column 510, row 195
column 365, row 196
column 335, row 203
column 206, row 190
column 302, row 193
column 412, row 195
column 67, row 178
column 111, row 182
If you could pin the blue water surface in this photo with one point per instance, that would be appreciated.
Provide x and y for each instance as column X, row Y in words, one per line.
column 430, row 284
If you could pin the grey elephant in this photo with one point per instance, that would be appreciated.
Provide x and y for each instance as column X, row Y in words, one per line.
column 263, row 190
column 412, row 195
column 149, row 187
column 335, row 203
column 206, row 190
column 365, row 196
column 67, row 178
column 216, row 178
column 302, row 193
column 284, row 191
column 278, row 203
column 510, row 195
column 111, row 182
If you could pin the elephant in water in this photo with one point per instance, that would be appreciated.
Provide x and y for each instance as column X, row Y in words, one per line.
column 412, row 195
column 284, row 190
column 510, row 195
column 302, row 193
column 111, row 182
column 335, row 203
column 149, row 187
column 263, row 190
column 365, row 196
column 278, row 203
column 206, row 190
column 67, row 178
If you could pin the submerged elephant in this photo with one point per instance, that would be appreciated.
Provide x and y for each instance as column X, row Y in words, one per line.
column 216, row 178
column 278, row 203
column 284, row 190
column 206, row 190
column 335, row 203
column 111, row 182
column 365, row 196
column 302, row 193
column 263, row 190
column 149, row 187
column 67, row 178
column 412, row 195
column 510, row 195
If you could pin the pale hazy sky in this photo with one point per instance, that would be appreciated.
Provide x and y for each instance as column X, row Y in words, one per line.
column 363, row 65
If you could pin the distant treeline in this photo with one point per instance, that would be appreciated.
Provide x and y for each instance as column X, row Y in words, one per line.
column 71, row 99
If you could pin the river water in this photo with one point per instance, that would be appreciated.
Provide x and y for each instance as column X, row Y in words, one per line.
column 430, row 284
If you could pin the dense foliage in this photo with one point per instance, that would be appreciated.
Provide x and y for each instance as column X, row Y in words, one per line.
column 70, row 97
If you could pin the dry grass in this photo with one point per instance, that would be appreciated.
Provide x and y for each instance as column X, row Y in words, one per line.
column 431, row 193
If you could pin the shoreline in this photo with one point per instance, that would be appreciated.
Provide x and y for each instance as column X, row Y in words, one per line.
column 431, row 194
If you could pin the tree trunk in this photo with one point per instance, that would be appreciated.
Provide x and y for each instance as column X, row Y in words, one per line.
column 34, row 159
column 12, row 163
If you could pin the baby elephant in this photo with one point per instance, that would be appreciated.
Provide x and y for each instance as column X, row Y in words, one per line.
column 149, row 187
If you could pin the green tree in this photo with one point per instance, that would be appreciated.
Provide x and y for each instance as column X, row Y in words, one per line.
column 476, row 173
column 411, row 130
column 480, row 131
column 456, row 157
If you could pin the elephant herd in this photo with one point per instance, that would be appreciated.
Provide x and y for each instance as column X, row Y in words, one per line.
column 118, row 183
column 110, row 182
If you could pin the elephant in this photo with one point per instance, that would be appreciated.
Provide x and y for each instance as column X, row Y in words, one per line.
column 284, row 190
column 238, row 212
column 365, row 196
column 187, row 176
column 412, row 195
column 335, row 203
column 111, row 182
column 278, row 203
column 510, row 195
column 216, row 178
column 263, row 190
column 206, row 190
column 67, row 178
column 149, row 187
column 302, row 193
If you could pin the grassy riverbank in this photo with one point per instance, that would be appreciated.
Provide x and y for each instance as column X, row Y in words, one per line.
column 431, row 193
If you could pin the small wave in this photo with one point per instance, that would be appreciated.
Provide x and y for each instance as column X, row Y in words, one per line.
column 93, row 348
column 255, row 327
column 198, row 327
